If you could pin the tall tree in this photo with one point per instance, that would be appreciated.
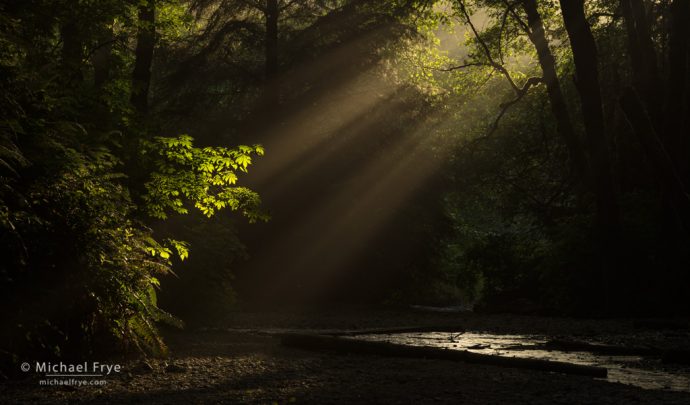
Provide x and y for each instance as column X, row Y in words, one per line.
column 587, row 82
column 272, row 88
column 72, row 49
column 102, row 57
column 271, row 13
column 643, row 56
column 141, row 76
column 535, row 31
column 678, row 87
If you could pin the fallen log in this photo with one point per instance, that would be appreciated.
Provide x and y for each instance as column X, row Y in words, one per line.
column 405, row 329
column 579, row 346
column 454, row 329
column 355, row 346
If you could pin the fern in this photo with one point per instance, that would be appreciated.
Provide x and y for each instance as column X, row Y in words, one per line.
column 146, row 336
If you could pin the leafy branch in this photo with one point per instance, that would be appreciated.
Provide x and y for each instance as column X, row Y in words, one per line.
column 205, row 177
column 520, row 91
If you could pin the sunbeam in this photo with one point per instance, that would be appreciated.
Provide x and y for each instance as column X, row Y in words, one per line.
column 327, row 235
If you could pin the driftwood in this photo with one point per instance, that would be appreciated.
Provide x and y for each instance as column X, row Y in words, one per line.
column 671, row 356
column 345, row 345
column 409, row 329
column 578, row 346
column 454, row 329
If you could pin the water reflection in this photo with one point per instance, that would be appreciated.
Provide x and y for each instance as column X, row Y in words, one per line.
column 644, row 372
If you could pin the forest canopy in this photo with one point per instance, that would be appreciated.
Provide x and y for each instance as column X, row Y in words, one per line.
column 507, row 154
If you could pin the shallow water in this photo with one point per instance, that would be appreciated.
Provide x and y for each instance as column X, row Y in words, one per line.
column 641, row 371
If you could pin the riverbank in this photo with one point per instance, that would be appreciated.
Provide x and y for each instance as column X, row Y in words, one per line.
column 240, row 361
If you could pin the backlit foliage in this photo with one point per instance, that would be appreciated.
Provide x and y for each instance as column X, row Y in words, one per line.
column 81, row 266
column 206, row 177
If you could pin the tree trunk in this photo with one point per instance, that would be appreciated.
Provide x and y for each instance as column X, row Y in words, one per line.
column 141, row 76
column 72, row 52
column 643, row 57
column 102, row 59
column 558, row 106
column 271, row 13
column 673, row 189
column 607, row 241
column 677, row 102
column 587, row 83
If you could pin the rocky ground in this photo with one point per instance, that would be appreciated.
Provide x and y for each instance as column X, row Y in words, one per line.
column 239, row 361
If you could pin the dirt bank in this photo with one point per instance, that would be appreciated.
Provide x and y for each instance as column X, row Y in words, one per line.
column 238, row 362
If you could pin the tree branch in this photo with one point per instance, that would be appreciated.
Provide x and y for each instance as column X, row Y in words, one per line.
column 465, row 65
column 522, row 92
column 510, row 8
column 486, row 49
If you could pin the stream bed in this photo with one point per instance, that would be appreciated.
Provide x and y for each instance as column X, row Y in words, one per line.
column 642, row 371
